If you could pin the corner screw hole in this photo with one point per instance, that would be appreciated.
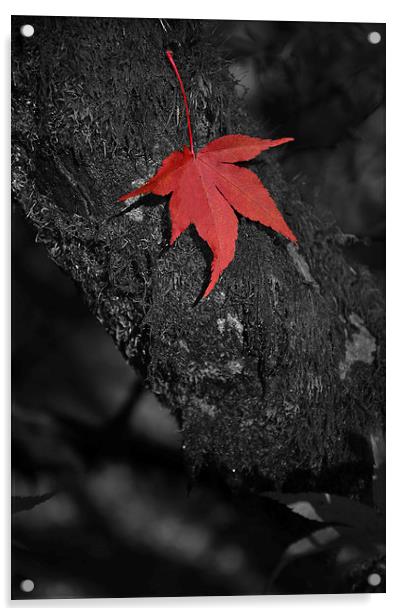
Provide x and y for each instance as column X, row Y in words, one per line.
column 374, row 579
column 27, row 30
column 27, row 585
column 374, row 38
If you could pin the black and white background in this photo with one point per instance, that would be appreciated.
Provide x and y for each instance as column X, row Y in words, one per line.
column 120, row 516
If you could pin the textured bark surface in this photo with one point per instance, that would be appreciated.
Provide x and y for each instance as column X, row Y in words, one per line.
column 277, row 378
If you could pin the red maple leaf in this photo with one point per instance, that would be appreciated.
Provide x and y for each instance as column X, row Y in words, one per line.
column 207, row 190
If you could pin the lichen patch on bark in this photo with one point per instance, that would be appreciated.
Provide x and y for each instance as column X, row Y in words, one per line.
column 361, row 346
column 136, row 214
column 232, row 322
column 301, row 264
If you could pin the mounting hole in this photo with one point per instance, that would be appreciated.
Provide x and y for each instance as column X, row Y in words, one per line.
column 374, row 38
column 374, row 579
column 27, row 585
column 27, row 30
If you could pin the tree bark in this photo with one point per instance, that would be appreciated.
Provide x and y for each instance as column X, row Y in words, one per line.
column 277, row 378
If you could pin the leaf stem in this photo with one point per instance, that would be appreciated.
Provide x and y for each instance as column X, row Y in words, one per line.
column 172, row 62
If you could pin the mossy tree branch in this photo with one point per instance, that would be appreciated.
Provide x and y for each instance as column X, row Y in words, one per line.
column 277, row 378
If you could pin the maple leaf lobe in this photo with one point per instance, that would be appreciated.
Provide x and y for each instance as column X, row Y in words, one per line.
column 207, row 188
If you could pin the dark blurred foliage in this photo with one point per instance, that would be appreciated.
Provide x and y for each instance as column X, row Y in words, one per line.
column 119, row 517
column 324, row 85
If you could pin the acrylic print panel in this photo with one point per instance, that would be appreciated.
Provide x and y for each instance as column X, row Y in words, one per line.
column 166, row 443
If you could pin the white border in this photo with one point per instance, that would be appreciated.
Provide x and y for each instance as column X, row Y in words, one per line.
column 286, row 10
